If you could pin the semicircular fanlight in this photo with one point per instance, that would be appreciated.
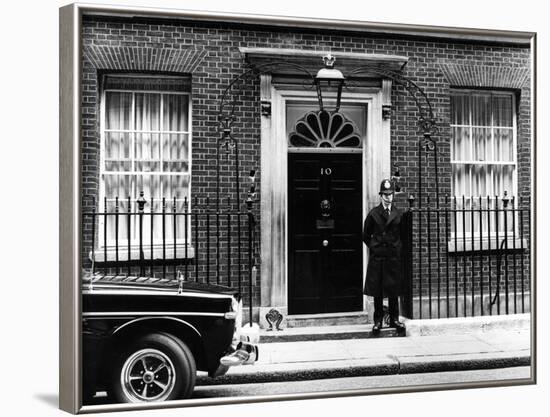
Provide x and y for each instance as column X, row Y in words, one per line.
column 324, row 129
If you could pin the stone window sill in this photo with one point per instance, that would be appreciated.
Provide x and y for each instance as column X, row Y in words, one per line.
column 110, row 255
column 492, row 245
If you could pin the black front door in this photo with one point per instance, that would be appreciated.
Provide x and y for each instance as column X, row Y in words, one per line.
column 325, row 225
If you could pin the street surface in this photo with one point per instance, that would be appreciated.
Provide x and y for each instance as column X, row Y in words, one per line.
column 360, row 383
column 349, row 384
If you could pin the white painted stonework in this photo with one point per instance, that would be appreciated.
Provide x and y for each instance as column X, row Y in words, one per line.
column 274, row 156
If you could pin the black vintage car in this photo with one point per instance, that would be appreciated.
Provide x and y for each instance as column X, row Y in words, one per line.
column 144, row 339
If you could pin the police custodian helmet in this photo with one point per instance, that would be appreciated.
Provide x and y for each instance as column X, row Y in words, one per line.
column 387, row 187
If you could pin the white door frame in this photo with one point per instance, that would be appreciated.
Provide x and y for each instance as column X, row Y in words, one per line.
column 274, row 188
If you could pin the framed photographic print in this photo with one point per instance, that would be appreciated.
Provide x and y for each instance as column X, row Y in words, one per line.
column 259, row 208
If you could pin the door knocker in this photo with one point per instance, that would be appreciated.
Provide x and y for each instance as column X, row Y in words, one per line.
column 326, row 221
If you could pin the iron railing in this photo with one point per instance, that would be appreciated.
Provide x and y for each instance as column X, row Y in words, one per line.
column 170, row 240
column 467, row 257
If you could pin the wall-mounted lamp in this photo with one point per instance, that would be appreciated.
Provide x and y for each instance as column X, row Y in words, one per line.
column 252, row 190
column 265, row 107
column 395, row 178
column 386, row 111
column 329, row 78
column 228, row 142
column 252, row 178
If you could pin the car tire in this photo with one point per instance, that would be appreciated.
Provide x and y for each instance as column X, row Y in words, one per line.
column 155, row 367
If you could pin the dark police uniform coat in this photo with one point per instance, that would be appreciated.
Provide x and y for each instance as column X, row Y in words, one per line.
column 383, row 236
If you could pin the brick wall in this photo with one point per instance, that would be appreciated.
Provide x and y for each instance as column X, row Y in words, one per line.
column 209, row 53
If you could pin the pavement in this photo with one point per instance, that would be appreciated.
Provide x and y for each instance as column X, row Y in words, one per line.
column 439, row 345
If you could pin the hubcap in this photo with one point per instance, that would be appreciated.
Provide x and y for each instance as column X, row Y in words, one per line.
column 147, row 375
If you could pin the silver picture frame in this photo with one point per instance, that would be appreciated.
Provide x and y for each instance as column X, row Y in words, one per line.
column 70, row 169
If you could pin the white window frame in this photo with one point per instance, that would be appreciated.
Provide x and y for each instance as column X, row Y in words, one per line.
column 473, row 241
column 134, row 244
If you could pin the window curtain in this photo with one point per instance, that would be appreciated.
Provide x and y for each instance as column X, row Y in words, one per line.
column 146, row 148
column 482, row 151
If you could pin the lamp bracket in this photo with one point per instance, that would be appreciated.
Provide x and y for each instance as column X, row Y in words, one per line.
column 266, row 108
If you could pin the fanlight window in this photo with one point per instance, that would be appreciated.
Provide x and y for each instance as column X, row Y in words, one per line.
column 323, row 129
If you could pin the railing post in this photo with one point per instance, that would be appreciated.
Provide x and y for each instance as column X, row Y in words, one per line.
column 129, row 234
column 408, row 271
column 186, row 237
column 481, row 256
column 105, row 219
column 164, row 237
column 505, row 202
column 438, row 217
column 195, row 208
column 497, row 285
column 429, row 255
column 94, row 215
column 472, row 254
column 117, row 267
column 152, row 236
column 208, row 240
column 141, row 206
column 446, row 251
column 228, row 206
column 455, row 211
column 490, row 305
column 464, row 266
column 514, row 213
column 250, row 216
column 218, row 262
column 174, row 234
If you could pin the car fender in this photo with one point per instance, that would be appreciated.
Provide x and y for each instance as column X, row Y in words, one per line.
column 149, row 319
column 177, row 327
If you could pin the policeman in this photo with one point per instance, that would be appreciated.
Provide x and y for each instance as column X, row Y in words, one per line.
column 383, row 233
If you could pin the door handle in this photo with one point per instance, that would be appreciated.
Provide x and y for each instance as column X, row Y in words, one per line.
column 325, row 243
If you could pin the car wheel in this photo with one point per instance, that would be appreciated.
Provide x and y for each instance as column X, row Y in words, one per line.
column 156, row 367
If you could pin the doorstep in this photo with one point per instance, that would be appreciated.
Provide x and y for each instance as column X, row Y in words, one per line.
column 325, row 319
column 341, row 332
column 427, row 327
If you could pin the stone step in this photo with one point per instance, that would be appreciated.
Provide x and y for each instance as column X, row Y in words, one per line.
column 301, row 334
column 325, row 319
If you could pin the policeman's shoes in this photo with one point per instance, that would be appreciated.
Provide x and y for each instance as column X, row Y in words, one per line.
column 397, row 325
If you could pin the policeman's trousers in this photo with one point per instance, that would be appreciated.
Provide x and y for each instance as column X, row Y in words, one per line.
column 393, row 306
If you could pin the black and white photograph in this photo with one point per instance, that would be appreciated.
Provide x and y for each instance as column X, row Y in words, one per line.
column 274, row 208
column 277, row 208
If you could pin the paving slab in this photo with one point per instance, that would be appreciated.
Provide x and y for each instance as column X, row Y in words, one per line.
column 462, row 362
column 466, row 325
column 307, row 351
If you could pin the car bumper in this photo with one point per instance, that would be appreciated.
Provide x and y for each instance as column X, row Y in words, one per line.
column 244, row 353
